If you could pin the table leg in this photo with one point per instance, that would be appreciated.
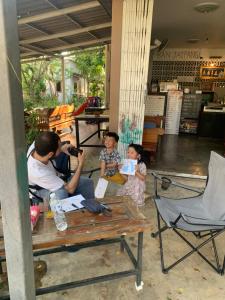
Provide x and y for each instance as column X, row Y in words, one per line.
column 77, row 133
column 1, row 270
column 99, row 130
column 122, row 244
column 139, row 283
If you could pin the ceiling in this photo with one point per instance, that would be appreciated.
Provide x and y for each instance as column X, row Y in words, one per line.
column 178, row 21
column 48, row 27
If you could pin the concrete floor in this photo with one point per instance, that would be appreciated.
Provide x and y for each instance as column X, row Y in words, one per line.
column 190, row 280
column 185, row 154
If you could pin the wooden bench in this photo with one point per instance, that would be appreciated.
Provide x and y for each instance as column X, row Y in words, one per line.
column 150, row 139
column 158, row 120
column 56, row 118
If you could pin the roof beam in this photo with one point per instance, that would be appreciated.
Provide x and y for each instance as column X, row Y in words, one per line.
column 31, row 52
column 22, row 55
column 59, row 12
column 72, row 19
column 37, row 28
column 105, row 8
column 65, row 33
column 72, row 46
column 40, row 58
column 36, row 49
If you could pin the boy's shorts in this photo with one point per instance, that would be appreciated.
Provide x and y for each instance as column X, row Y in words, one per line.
column 117, row 178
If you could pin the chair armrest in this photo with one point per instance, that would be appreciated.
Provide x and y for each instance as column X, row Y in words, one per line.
column 183, row 186
column 200, row 221
column 90, row 172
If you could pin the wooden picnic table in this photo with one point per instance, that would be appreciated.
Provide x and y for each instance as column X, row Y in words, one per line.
column 86, row 229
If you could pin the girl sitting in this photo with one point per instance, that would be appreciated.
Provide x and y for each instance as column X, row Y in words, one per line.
column 135, row 184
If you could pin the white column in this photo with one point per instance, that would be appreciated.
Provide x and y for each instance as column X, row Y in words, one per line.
column 135, row 49
column 130, row 49
column 13, row 170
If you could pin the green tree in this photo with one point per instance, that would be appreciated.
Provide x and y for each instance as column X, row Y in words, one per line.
column 91, row 64
column 33, row 79
column 53, row 74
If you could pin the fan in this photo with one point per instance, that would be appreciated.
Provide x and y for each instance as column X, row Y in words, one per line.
column 159, row 45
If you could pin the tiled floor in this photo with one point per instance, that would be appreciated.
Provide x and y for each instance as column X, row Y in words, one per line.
column 185, row 154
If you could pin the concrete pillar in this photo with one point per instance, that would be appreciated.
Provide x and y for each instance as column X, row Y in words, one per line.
column 131, row 35
column 107, row 74
column 13, row 171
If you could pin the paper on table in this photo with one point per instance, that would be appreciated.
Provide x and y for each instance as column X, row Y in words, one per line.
column 128, row 166
column 72, row 203
column 101, row 188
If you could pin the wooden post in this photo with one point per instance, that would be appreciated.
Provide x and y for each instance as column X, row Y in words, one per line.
column 107, row 74
column 13, row 177
column 63, row 87
column 117, row 16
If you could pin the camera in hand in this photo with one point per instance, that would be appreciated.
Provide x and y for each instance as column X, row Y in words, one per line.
column 74, row 151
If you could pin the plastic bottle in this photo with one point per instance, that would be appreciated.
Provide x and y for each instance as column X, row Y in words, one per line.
column 59, row 216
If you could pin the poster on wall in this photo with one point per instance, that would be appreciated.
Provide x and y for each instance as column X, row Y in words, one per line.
column 214, row 73
column 155, row 105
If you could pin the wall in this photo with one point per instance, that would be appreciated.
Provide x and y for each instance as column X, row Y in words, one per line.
column 185, row 64
column 71, row 69
column 71, row 76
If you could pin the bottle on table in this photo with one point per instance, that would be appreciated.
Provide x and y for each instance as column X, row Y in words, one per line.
column 58, row 213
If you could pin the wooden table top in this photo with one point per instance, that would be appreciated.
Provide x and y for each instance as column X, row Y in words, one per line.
column 84, row 226
column 84, row 117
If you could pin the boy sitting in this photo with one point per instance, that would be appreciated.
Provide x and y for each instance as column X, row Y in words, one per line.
column 110, row 159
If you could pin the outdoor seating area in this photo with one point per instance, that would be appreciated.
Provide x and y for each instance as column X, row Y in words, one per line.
column 55, row 119
column 109, row 259
column 113, row 164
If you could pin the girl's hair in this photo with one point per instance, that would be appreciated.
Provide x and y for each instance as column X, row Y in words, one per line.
column 139, row 149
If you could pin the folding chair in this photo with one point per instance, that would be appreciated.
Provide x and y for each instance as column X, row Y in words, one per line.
column 202, row 215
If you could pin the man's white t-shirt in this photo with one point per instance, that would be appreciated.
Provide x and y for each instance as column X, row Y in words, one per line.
column 41, row 174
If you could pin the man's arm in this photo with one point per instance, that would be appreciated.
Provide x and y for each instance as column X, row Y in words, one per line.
column 72, row 184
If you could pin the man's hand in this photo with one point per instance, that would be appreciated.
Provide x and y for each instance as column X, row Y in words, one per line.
column 81, row 158
column 65, row 147
column 72, row 184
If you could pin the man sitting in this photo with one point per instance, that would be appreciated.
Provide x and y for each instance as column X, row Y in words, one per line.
column 42, row 173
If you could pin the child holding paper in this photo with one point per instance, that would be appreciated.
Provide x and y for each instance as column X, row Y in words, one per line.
column 135, row 185
column 110, row 159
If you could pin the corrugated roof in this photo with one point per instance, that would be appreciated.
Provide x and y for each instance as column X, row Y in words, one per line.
column 79, row 14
